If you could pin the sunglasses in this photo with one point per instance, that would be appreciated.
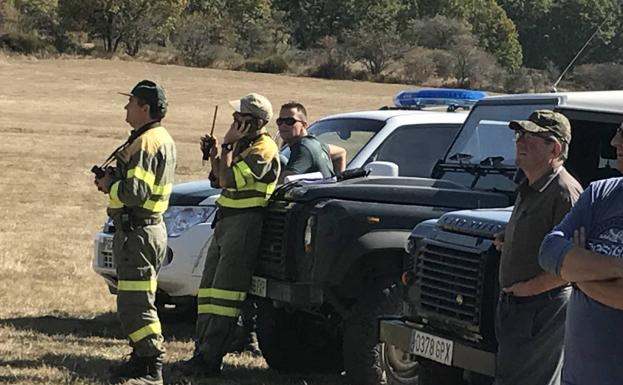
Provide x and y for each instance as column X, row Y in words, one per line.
column 620, row 131
column 289, row 121
column 522, row 134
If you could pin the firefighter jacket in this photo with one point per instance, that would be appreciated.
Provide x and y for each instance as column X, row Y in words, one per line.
column 254, row 173
column 144, row 175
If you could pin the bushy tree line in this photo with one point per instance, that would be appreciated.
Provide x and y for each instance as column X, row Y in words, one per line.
column 469, row 43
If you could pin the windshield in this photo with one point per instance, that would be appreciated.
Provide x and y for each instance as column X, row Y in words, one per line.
column 486, row 141
column 349, row 133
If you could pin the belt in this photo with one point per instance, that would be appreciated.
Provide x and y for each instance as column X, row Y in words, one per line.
column 142, row 222
column 546, row 295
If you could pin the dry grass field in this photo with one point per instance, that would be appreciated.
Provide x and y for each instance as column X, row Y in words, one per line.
column 58, row 118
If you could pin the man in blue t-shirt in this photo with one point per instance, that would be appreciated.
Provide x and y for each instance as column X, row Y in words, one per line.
column 307, row 153
column 586, row 248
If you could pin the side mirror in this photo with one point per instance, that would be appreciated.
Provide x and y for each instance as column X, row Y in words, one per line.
column 381, row 168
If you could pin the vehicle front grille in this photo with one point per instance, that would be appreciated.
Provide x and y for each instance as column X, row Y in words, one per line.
column 451, row 283
column 105, row 257
column 273, row 249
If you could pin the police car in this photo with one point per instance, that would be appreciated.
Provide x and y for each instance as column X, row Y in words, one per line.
column 380, row 141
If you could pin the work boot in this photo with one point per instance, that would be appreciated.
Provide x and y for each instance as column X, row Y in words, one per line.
column 197, row 366
column 153, row 374
column 134, row 365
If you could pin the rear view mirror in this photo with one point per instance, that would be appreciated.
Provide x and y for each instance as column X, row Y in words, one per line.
column 380, row 168
column 344, row 134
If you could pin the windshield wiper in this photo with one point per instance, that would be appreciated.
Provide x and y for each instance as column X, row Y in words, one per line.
column 461, row 157
column 496, row 163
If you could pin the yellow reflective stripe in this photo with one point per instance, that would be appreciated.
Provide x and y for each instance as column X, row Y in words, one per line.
column 162, row 189
column 244, row 169
column 222, row 294
column 218, row 310
column 158, row 206
column 242, row 203
column 267, row 188
column 113, row 196
column 239, row 176
column 149, row 286
column 153, row 328
column 142, row 174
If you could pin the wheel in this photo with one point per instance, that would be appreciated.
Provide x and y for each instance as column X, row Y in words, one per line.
column 399, row 368
column 296, row 342
column 362, row 351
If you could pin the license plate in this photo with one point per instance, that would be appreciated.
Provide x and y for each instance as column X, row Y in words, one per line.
column 258, row 286
column 432, row 347
column 107, row 246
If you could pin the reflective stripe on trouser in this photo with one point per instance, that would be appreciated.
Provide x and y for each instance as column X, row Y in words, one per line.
column 138, row 256
column 226, row 279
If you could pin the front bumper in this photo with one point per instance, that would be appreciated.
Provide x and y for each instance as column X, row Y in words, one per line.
column 180, row 273
column 399, row 333
column 288, row 292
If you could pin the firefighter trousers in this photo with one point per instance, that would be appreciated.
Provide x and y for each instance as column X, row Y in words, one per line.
column 226, row 279
column 138, row 255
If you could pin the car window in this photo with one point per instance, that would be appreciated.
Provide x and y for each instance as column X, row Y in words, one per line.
column 352, row 134
column 416, row 148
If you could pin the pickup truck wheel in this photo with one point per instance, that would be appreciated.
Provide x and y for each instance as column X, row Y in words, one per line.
column 292, row 342
column 362, row 352
column 399, row 368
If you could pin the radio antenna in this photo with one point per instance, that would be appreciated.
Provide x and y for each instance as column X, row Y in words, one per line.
column 577, row 55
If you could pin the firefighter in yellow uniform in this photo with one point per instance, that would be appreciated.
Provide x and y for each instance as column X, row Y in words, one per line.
column 139, row 188
column 247, row 170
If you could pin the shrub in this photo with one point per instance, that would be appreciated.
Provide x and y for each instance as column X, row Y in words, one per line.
column 274, row 64
column 419, row 65
column 526, row 80
column 22, row 43
column 603, row 76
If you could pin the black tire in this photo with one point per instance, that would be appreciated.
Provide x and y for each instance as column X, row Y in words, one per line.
column 292, row 342
column 362, row 351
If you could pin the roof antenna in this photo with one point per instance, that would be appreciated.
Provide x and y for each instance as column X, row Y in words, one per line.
column 577, row 55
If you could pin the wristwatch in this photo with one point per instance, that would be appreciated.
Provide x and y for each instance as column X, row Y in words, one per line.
column 227, row 146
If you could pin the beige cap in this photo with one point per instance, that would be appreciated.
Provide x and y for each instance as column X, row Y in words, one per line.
column 253, row 104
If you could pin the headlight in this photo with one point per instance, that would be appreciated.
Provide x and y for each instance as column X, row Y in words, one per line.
column 308, row 234
column 179, row 219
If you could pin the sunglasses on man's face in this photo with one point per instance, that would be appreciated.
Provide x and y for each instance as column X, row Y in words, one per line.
column 289, row 121
column 522, row 134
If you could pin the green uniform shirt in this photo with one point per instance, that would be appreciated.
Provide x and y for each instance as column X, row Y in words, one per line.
column 144, row 175
column 310, row 155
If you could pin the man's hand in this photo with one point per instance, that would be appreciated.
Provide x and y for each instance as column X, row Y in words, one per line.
column 537, row 285
column 522, row 289
column 498, row 240
column 103, row 184
column 579, row 237
column 236, row 132
column 209, row 146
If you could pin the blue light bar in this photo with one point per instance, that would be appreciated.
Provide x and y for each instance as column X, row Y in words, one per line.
column 438, row 97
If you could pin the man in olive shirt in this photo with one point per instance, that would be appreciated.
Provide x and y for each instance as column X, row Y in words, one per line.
column 532, row 305
column 307, row 153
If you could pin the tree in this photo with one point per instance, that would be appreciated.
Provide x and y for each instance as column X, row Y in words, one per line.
column 376, row 42
column 309, row 21
column 555, row 30
column 114, row 21
column 439, row 32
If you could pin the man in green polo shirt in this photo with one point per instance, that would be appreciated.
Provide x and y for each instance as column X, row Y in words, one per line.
column 307, row 153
